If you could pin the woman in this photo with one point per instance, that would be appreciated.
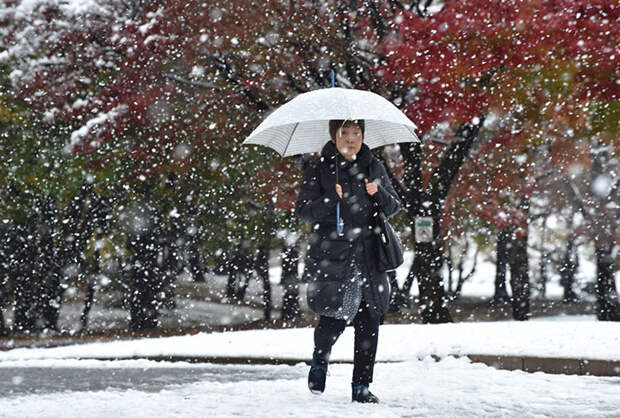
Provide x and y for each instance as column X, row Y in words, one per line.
column 346, row 286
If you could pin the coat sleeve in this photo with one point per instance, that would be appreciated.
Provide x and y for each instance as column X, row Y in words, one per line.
column 314, row 204
column 386, row 196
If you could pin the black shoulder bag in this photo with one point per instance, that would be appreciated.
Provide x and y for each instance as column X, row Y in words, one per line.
column 389, row 247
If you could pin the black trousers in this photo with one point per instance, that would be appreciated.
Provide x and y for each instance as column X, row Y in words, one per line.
column 366, row 336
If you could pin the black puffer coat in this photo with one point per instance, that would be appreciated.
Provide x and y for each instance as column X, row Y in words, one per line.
column 329, row 256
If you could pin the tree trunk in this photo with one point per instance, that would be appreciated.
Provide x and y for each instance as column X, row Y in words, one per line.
column 91, row 277
column 262, row 269
column 501, row 295
column 4, row 331
column 75, row 226
column 146, row 274
column 604, row 221
column 607, row 305
column 406, row 289
column 397, row 296
column 23, row 278
column 27, row 248
column 450, row 265
column 196, row 262
column 195, row 258
column 4, row 277
column 519, row 278
column 568, row 267
column 143, row 300
column 51, row 296
column 542, row 265
column 430, row 203
column 88, row 300
column 50, row 290
column 433, row 298
column 462, row 276
column 239, row 268
column 262, row 258
column 167, row 250
column 290, row 282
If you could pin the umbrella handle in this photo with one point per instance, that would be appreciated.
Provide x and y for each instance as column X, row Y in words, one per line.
column 339, row 221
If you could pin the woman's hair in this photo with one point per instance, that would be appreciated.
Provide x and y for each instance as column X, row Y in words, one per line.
column 336, row 124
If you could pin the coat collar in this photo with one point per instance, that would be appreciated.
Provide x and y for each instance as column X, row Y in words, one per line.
column 364, row 157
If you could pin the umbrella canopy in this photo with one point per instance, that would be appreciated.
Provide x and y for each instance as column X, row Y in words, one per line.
column 301, row 125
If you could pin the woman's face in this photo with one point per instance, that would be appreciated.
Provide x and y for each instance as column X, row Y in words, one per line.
column 349, row 140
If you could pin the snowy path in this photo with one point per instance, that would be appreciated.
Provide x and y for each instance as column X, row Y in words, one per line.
column 450, row 388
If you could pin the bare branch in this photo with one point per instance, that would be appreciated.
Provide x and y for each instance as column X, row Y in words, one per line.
column 191, row 83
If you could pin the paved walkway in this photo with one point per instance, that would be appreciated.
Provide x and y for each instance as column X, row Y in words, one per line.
column 447, row 389
column 566, row 366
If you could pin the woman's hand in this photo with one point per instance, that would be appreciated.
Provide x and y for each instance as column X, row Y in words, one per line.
column 339, row 190
column 371, row 188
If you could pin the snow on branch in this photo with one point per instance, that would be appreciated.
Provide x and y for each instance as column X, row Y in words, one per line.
column 69, row 7
column 78, row 135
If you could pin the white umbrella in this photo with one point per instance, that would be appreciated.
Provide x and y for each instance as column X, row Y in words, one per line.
column 301, row 125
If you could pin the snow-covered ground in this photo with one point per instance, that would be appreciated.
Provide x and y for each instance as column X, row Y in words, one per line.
column 52, row 382
column 566, row 337
column 449, row 388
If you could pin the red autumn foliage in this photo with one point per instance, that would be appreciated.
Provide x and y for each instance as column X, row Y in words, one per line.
column 546, row 59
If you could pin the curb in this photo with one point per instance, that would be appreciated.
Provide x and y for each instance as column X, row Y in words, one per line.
column 567, row 366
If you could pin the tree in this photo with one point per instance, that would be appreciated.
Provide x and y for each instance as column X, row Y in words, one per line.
column 474, row 58
column 601, row 217
column 138, row 93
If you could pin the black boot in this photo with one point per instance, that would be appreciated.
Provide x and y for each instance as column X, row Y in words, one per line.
column 316, row 377
column 361, row 394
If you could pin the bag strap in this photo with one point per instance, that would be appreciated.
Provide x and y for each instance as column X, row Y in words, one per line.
column 372, row 173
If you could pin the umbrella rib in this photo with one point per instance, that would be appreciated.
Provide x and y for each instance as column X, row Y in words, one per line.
column 413, row 133
column 290, row 139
